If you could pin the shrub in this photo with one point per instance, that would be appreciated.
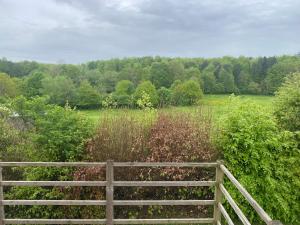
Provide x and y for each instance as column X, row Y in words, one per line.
column 287, row 103
column 123, row 101
column 148, row 88
column 13, row 143
column 153, row 138
column 87, row 96
column 144, row 102
column 181, row 137
column 57, row 134
column 187, row 93
column 264, row 159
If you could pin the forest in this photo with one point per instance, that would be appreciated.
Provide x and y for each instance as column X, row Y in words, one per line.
column 154, row 109
column 164, row 81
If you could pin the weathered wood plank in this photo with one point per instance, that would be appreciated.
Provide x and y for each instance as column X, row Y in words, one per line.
column 164, row 202
column 164, row 221
column 263, row 215
column 164, row 183
column 109, row 193
column 54, row 202
column 55, row 221
column 218, row 193
column 275, row 222
column 116, row 221
column 103, row 202
column 235, row 207
column 2, row 214
column 50, row 164
column 54, row 183
column 164, row 164
column 225, row 214
column 116, row 164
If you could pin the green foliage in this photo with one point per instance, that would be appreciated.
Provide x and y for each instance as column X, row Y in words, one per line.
column 32, row 85
column 70, row 71
column 60, row 90
column 123, row 93
column 187, row 93
column 287, row 103
column 14, row 143
column 56, row 134
column 87, row 96
column 192, row 73
column 279, row 71
column 209, row 82
column 243, row 75
column 17, row 69
column 123, row 100
column 59, row 133
column 146, row 88
column 109, row 102
column 253, row 88
column 227, row 80
column 164, row 95
column 264, row 159
column 144, row 102
column 124, row 87
column 8, row 86
column 160, row 75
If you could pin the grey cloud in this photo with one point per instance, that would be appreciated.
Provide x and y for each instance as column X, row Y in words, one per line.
column 80, row 30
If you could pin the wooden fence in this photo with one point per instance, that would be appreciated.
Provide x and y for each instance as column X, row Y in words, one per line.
column 110, row 183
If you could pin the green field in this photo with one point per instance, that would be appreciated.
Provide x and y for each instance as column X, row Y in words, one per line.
column 217, row 104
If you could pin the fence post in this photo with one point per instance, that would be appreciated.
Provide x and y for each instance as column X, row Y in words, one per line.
column 218, row 193
column 2, row 217
column 109, row 192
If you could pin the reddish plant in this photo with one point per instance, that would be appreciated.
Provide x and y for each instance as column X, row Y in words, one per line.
column 172, row 137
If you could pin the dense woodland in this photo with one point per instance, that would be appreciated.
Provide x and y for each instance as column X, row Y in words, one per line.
column 162, row 81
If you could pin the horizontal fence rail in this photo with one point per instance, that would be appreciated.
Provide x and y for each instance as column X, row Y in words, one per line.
column 110, row 202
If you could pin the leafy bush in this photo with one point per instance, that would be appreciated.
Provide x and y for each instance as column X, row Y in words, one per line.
column 56, row 134
column 87, row 96
column 147, row 88
column 144, row 102
column 187, row 93
column 13, row 142
column 123, row 101
column 123, row 93
column 264, row 159
column 287, row 104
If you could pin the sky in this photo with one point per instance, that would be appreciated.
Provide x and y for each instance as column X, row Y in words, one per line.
column 77, row 31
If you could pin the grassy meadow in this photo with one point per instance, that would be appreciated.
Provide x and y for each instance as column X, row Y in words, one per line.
column 216, row 104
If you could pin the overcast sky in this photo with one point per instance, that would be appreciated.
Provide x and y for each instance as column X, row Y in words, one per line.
column 74, row 31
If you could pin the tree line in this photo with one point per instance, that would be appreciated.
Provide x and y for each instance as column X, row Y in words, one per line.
column 134, row 82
